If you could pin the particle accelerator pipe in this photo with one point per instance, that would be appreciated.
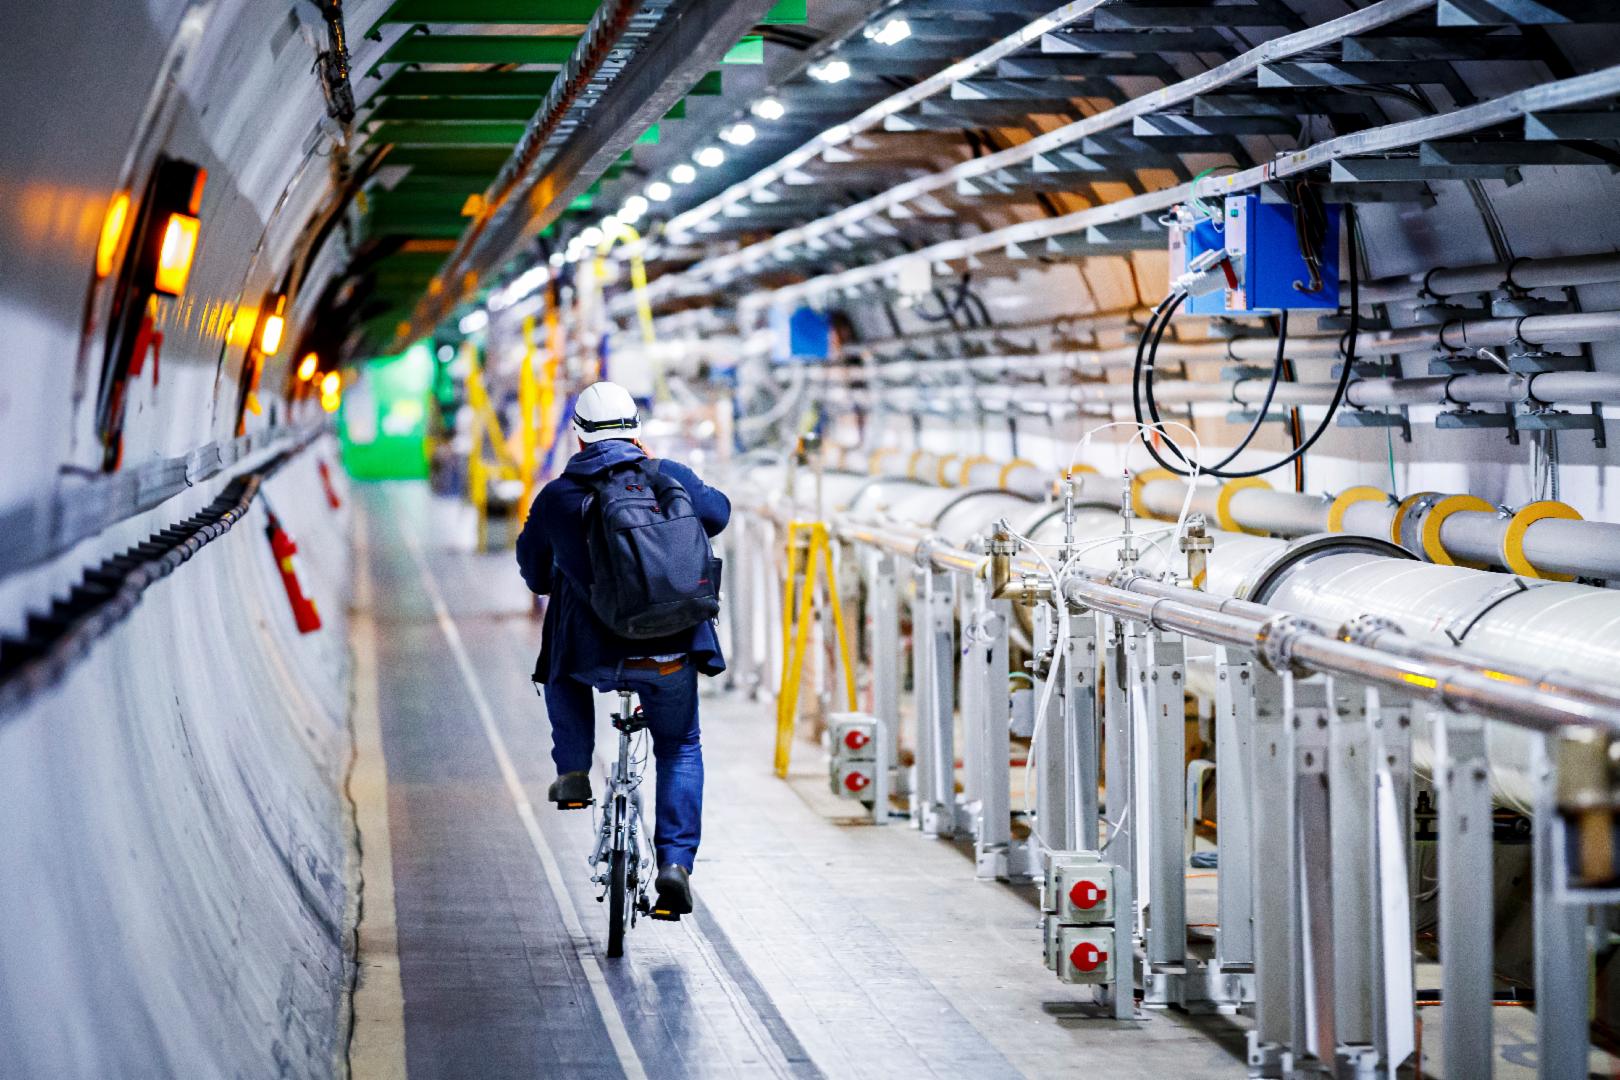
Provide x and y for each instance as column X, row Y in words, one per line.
column 1540, row 544
column 1461, row 682
column 1457, row 335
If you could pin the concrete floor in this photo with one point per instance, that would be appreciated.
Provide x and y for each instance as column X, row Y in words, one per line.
column 822, row 946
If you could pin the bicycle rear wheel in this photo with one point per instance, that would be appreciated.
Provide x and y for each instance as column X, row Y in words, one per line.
column 618, row 885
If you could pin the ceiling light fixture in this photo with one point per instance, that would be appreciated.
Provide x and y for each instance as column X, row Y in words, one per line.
column 738, row 134
column 683, row 173
column 710, row 157
column 769, row 109
column 892, row 32
column 658, row 191
column 830, row 71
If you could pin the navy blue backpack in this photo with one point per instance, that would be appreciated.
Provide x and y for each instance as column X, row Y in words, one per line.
column 653, row 571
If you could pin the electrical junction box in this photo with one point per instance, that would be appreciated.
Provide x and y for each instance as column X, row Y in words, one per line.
column 1263, row 247
column 853, row 779
column 1058, row 864
column 1085, row 954
column 1085, row 894
column 853, row 736
column 852, row 763
column 1187, row 242
column 803, row 335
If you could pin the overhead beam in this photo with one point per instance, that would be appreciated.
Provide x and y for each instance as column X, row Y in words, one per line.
column 1432, row 47
column 1245, row 16
column 1525, row 12
column 520, row 84
column 479, row 49
column 1382, row 169
column 436, row 134
column 514, row 12
column 1572, row 125
column 1504, row 152
column 1083, row 41
column 429, row 109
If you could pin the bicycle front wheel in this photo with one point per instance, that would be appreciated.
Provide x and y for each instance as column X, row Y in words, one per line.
column 618, row 890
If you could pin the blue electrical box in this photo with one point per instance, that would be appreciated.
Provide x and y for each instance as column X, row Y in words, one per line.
column 1264, row 249
column 802, row 335
column 1186, row 244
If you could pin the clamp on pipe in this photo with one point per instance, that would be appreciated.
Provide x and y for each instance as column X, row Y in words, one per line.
column 1430, row 522
column 1141, row 480
column 1276, row 640
column 1513, row 556
column 1365, row 630
column 1007, row 470
column 1348, row 498
column 969, row 464
column 1223, row 504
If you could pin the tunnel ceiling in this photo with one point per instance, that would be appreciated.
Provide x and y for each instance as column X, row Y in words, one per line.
column 454, row 97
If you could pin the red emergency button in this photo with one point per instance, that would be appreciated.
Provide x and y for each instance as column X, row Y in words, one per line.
column 1086, row 895
column 856, row 781
column 855, row 738
column 1087, row 957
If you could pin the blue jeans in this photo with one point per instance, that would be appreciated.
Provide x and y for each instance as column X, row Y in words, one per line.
column 670, row 704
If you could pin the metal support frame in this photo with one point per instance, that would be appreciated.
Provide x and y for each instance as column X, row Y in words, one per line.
column 1463, row 783
column 986, row 712
column 1080, row 732
column 1234, row 783
column 1563, row 958
column 1308, row 704
column 1119, row 846
column 934, row 634
column 887, row 668
column 1274, row 918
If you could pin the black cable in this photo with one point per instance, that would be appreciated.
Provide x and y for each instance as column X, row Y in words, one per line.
column 1145, row 372
column 1168, row 307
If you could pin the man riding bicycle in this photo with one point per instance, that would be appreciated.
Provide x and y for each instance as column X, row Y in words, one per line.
column 565, row 551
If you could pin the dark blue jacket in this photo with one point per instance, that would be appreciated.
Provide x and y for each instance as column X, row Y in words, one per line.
column 551, row 554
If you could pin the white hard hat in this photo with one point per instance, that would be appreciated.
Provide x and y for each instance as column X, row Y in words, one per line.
column 605, row 410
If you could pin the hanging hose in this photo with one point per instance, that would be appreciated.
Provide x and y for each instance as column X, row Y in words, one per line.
column 1147, row 348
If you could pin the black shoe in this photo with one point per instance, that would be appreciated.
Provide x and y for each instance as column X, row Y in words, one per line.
column 571, row 791
column 674, row 893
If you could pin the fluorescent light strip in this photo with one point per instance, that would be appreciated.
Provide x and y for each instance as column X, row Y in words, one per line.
column 874, row 116
column 1375, row 15
column 1596, row 86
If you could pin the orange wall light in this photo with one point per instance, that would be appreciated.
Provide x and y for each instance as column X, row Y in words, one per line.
column 175, row 254
column 307, row 366
column 331, row 391
column 274, row 324
column 112, row 233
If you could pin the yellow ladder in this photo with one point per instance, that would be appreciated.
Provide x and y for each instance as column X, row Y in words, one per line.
column 809, row 549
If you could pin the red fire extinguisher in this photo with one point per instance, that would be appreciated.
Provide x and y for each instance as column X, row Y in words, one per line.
column 286, row 551
column 332, row 499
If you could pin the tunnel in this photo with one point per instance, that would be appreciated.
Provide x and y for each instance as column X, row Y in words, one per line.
column 810, row 538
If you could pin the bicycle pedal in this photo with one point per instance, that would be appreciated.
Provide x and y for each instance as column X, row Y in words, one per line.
column 665, row 915
column 576, row 805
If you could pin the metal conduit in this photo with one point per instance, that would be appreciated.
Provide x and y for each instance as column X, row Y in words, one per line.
column 1459, row 334
column 1551, row 273
column 1552, row 545
column 1460, row 681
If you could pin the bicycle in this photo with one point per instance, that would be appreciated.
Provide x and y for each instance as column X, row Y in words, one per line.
column 623, row 862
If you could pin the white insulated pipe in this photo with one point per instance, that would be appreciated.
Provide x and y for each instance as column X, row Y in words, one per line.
column 1553, row 273
column 1551, row 545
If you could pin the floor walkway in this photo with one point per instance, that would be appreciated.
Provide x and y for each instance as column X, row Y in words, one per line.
column 821, row 947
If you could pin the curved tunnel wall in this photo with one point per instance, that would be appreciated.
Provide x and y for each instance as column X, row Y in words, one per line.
column 173, row 894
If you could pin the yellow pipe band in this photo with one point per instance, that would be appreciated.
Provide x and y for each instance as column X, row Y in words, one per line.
column 1007, row 469
column 1348, row 498
column 1141, row 480
column 1223, row 503
column 1430, row 531
column 1513, row 556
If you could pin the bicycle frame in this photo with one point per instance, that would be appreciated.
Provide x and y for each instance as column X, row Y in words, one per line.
column 621, row 832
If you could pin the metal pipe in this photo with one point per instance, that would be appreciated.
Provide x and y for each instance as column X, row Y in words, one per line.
column 1520, row 273
column 1461, row 682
